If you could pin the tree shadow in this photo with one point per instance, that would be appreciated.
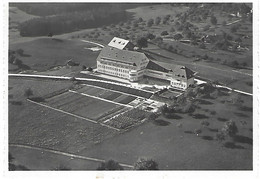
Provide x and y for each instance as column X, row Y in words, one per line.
column 57, row 40
column 172, row 116
column 199, row 116
column 188, row 132
column 243, row 139
column 207, row 137
column 245, row 108
column 160, row 122
column 222, row 119
column 212, row 130
column 203, row 101
column 232, row 145
column 240, row 114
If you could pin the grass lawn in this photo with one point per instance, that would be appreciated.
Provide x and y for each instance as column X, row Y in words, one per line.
column 40, row 88
column 38, row 160
column 45, row 53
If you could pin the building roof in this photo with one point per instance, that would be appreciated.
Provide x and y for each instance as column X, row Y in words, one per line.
column 154, row 66
column 178, row 71
column 118, row 43
column 125, row 56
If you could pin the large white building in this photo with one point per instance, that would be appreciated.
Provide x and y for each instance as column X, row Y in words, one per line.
column 118, row 59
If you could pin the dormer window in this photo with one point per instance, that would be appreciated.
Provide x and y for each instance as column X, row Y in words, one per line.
column 114, row 40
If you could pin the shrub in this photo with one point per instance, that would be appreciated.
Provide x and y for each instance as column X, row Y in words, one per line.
column 157, row 20
column 20, row 51
column 202, row 45
column 197, row 131
column 177, row 37
column 164, row 33
column 150, row 36
column 204, row 123
column 150, row 22
column 16, row 102
column 230, row 128
column 28, row 92
column 213, row 20
column 172, row 29
column 220, row 136
column 37, row 99
column 110, row 165
column 145, row 164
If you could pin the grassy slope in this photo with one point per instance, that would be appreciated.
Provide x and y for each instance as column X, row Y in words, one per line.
column 39, row 126
column 45, row 53
column 172, row 148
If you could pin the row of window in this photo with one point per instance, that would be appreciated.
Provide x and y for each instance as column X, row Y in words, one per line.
column 113, row 69
column 179, row 84
column 117, row 65
column 114, row 73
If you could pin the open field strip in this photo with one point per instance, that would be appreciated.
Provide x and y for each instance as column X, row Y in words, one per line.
column 195, row 64
column 112, row 90
column 80, row 117
column 69, row 78
column 102, row 99
column 84, row 79
column 65, row 154
column 242, row 73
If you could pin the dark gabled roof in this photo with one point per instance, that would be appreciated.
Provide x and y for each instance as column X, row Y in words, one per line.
column 154, row 66
column 178, row 71
column 125, row 56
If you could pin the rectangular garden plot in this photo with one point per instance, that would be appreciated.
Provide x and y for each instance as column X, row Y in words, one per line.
column 83, row 105
column 128, row 119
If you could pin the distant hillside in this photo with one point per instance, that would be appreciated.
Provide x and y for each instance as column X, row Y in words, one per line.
column 59, row 18
column 47, row 9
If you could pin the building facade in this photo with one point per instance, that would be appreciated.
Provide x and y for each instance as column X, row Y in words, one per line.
column 116, row 60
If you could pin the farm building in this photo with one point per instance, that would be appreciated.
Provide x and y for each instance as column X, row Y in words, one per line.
column 116, row 60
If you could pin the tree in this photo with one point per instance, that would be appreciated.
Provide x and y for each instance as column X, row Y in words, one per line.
column 220, row 136
column 202, row 45
column 145, row 164
column 177, row 37
column 172, row 29
column 150, row 22
column 140, row 19
column 142, row 42
column 234, row 29
column 204, row 123
column 110, row 165
column 150, row 36
column 164, row 33
column 230, row 128
column 157, row 20
column 28, row 92
column 158, row 40
column 213, row 20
